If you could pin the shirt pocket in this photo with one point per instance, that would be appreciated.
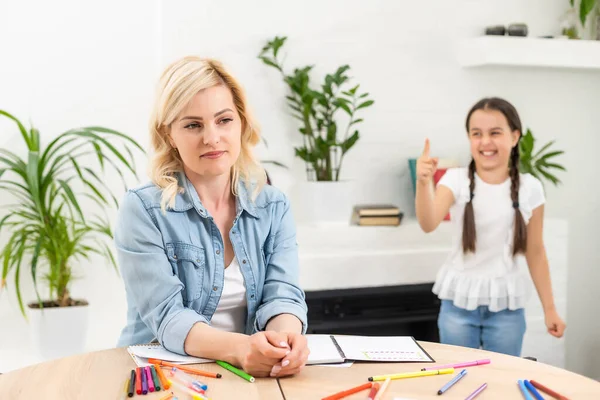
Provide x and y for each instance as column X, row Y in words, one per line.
column 187, row 261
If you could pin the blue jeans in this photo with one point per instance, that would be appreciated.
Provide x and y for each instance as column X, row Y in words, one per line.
column 501, row 332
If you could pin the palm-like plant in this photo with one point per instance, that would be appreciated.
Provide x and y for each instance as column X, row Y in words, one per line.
column 538, row 163
column 47, row 226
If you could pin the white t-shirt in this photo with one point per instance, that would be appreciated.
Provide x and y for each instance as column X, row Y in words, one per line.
column 230, row 315
column 491, row 276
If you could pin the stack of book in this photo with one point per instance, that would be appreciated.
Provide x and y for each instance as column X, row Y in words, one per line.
column 376, row 215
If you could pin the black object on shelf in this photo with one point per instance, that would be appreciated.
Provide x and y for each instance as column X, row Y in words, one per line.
column 517, row 30
column 404, row 310
column 497, row 30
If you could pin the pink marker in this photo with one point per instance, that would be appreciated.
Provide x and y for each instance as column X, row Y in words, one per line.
column 150, row 381
column 459, row 365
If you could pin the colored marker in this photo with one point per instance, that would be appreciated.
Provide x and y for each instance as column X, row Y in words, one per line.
column 547, row 390
column 373, row 391
column 184, row 368
column 155, row 378
column 144, row 380
column 236, row 371
column 131, row 388
column 477, row 392
column 190, row 381
column 382, row 390
column 163, row 380
column 448, row 385
column 533, row 390
column 412, row 374
column 458, row 365
column 524, row 391
column 125, row 389
column 182, row 387
column 344, row 393
column 149, row 379
column 138, row 380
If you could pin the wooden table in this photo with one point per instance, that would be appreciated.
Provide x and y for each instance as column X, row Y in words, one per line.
column 501, row 375
column 102, row 375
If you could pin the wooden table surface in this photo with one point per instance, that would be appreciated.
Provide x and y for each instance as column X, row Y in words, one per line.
column 101, row 375
column 501, row 376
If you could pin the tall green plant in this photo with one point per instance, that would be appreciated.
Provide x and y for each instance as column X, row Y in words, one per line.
column 585, row 8
column 539, row 163
column 47, row 226
column 324, row 145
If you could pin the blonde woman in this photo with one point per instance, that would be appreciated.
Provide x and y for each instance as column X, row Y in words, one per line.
column 208, row 251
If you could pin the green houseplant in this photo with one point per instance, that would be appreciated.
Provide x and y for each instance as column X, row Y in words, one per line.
column 324, row 143
column 585, row 8
column 48, row 226
column 539, row 163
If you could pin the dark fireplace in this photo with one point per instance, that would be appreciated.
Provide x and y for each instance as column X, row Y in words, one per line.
column 405, row 310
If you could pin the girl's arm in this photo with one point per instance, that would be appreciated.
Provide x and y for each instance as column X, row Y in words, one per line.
column 540, row 271
column 432, row 207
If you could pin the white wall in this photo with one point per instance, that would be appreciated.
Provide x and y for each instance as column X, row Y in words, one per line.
column 66, row 64
column 403, row 54
column 72, row 64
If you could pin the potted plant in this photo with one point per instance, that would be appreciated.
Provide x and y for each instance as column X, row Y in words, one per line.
column 538, row 163
column 325, row 141
column 589, row 11
column 49, row 228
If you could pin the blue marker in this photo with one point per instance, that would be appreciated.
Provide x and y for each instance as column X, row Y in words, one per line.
column 524, row 390
column 533, row 390
column 452, row 382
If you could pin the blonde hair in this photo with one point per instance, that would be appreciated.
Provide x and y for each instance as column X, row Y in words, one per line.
column 178, row 84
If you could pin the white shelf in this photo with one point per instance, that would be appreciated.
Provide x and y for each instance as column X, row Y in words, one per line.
column 529, row 52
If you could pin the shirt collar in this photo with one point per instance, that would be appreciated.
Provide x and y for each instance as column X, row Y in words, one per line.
column 189, row 198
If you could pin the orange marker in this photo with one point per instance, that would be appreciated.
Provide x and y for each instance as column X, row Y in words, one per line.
column 184, row 368
column 548, row 391
column 373, row 391
column 348, row 392
column 161, row 377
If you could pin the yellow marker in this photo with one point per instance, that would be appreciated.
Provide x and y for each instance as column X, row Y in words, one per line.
column 412, row 374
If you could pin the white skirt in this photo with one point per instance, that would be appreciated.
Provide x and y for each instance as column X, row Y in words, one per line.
column 469, row 291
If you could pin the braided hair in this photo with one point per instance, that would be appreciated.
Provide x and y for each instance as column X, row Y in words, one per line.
column 469, row 238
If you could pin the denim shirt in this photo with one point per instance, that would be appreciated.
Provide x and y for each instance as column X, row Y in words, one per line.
column 173, row 267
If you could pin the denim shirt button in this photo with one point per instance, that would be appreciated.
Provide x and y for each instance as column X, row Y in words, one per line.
column 218, row 251
column 244, row 261
column 215, row 288
column 251, row 296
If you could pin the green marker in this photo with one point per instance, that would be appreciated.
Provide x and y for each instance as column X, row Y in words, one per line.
column 236, row 371
column 155, row 378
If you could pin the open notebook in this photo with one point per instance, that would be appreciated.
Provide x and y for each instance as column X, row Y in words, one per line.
column 324, row 349
column 142, row 352
column 328, row 349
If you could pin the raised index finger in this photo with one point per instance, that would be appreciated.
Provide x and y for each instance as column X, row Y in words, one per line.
column 426, row 148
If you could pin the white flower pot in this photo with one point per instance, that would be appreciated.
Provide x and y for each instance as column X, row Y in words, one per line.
column 324, row 202
column 59, row 331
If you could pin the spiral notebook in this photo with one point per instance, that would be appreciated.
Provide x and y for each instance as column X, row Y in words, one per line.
column 329, row 349
column 142, row 352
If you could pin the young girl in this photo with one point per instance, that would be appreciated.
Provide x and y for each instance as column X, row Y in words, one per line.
column 497, row 214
